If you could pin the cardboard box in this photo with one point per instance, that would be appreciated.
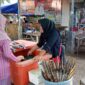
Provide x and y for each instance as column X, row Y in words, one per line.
column 35, row 77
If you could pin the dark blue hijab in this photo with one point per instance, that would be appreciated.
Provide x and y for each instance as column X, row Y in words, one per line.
column 48, row 26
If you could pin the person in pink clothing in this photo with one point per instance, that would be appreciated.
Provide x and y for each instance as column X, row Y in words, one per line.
column 6, row 54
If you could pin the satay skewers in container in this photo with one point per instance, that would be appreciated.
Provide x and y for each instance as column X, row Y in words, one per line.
column 57, row 73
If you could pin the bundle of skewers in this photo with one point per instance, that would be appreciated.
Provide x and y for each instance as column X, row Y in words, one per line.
column 57, row 72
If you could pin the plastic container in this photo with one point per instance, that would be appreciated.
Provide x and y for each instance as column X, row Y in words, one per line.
column 68, row 82
column 19, row 73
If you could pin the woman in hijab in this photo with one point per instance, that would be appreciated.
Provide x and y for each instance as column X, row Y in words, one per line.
column 5, row 54
column 49, row 41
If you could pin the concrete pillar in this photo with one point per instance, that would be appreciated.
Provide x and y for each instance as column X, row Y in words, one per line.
column 72, row 13
column 65, row 13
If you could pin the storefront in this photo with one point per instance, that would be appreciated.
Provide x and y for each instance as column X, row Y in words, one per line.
column 73, row 13
column 79, row 13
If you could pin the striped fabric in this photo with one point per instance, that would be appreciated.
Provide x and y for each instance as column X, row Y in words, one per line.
column 5, row 56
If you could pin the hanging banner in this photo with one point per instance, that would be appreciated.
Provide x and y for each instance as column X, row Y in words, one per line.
column 50, row 4
column 47, row 3
column 39, row 10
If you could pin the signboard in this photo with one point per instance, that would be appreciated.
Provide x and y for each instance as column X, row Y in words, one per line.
column 50, row 4
column 27, row 6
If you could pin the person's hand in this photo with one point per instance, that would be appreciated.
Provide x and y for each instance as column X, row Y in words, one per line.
column 42, row 58
column 20, row 58
column 38, row 58
column 29, row 53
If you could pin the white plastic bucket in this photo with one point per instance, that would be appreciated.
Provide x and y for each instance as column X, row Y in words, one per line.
column 68, row 82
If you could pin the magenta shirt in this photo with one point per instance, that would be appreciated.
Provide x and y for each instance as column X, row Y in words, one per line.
column 5, row 56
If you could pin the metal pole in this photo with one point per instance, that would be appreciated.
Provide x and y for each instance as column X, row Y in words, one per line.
column 72, row 13
column 19, row 22
column 72, row 25
column 0, row 6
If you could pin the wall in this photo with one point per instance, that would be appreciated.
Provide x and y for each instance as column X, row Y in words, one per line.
column 65, row 13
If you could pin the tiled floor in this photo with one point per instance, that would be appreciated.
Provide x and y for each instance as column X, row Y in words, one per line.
column 80, row 68
column 80, row 71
